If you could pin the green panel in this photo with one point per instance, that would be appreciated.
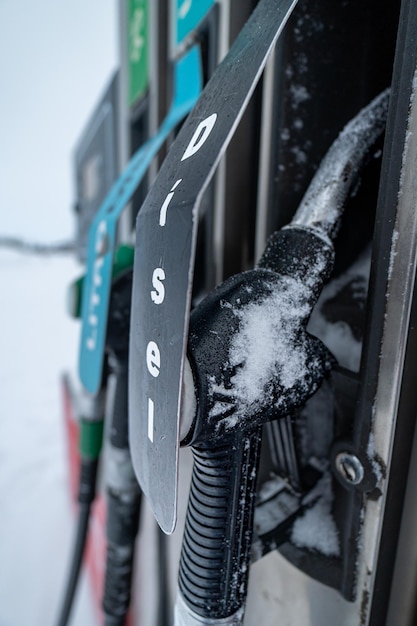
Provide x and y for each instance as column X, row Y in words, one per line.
column 91, row 438
column 137, row 33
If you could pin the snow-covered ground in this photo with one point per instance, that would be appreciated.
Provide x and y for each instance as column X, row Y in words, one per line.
column 38, row 342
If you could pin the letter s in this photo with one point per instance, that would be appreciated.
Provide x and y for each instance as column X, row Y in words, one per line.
column 158, row 293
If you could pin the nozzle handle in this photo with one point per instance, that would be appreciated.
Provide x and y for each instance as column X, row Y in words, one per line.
column 215, row 556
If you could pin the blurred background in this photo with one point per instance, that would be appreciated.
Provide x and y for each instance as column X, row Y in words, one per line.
column 56, row 58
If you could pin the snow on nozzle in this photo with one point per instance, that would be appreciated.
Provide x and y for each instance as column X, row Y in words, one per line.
column 251, row 356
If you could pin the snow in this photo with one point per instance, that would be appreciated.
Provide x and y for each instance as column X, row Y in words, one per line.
column 269, row 350
column 408, row 135
column 316, row 529
column 393, row 252
column 374, row 459
column 338, row 336
column 37, row 519
column 299, row 155
column 285, row 134
column 265, row 342
column 299, row 94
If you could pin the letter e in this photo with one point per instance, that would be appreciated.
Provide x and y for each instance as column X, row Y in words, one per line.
column 153, row 359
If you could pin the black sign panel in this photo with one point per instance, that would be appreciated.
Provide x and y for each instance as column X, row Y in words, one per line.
column 166, row 231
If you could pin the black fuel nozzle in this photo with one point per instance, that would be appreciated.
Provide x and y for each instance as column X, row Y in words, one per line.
column 123, row 495
column 251, row 355
column 252, row 361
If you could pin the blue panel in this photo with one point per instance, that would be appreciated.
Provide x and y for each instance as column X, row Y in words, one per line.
column 189, row 13
column 102, row 235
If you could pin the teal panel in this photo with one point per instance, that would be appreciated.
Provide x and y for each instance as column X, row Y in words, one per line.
column 188, row 15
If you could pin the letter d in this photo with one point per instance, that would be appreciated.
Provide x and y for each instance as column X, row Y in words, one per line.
column 200, row 136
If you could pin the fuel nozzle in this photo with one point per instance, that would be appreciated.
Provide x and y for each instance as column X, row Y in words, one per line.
column 251, row 355
column 253, row 361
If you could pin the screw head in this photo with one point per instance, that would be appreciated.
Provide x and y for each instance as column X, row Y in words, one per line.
column 349, row 468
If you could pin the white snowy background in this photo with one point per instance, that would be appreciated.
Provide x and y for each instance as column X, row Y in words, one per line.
column 55, row 61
